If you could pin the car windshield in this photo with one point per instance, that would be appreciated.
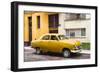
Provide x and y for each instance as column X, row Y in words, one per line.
column 62, row 37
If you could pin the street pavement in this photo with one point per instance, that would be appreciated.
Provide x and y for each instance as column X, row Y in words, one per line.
column 30, row 55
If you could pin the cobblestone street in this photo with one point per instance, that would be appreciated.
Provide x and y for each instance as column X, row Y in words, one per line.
column 30, row 55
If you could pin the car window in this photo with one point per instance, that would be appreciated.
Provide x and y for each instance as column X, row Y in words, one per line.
column 62, row 37
column 46, row 37
column 53, row 37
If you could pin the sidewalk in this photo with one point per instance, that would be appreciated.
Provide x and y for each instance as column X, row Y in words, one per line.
column 27, row 47
column 85, row 51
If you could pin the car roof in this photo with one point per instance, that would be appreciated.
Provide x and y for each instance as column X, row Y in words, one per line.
column 53, row 34
column 50, row 34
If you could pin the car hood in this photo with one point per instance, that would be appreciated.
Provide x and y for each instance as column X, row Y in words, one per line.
column 71, row 41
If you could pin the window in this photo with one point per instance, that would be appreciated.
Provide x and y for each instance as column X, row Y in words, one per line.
column 38, row 21
column 53, row 20
column 53, row 23
column 77, row 16
column 72, row 34
column 82, row 16
column 62, row 37
column 76, row 33
column 53, row 37
column 67, row 32
column 46, row 37
column 83, row 32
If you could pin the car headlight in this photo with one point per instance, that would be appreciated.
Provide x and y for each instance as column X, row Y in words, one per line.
column 78, row 47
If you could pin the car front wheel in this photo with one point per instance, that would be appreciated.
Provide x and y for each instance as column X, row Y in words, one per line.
column 66, row 53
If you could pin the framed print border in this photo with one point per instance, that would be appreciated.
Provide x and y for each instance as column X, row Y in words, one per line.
column 14, row 35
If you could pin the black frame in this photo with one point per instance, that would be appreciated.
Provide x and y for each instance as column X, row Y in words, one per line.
column 14, row 35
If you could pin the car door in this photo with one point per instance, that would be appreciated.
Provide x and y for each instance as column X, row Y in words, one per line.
column 53, row 43
column 44, row 42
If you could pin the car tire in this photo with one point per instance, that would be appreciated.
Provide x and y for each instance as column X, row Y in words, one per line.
column 66, row 53
column 38, row 51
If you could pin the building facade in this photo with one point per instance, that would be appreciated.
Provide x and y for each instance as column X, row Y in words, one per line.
column 74, row 26
column 38, row 23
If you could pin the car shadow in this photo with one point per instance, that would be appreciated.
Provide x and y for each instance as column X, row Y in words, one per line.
column 73, row 55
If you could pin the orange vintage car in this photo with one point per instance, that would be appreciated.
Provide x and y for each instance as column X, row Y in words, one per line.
column 56, row 43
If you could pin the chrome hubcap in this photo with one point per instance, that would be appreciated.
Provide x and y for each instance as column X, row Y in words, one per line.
column 38, row 51
column 66, row 53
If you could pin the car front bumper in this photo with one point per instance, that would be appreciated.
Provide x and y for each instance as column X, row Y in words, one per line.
column 76, row 51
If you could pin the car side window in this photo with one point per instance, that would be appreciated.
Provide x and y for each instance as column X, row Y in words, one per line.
column 53, row 37
column 46, row 37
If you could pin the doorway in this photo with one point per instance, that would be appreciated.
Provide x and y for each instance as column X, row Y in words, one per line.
column 30, row 29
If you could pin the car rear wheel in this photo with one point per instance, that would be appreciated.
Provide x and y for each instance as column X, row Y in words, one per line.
column 66, row 53
column 38, row 51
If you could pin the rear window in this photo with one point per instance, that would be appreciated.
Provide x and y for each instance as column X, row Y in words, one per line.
column 46, row 37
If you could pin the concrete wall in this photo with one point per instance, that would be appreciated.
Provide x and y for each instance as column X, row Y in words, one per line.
column 75, row 24
column 61, row 22
column 37, row 32
column 80, row 24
